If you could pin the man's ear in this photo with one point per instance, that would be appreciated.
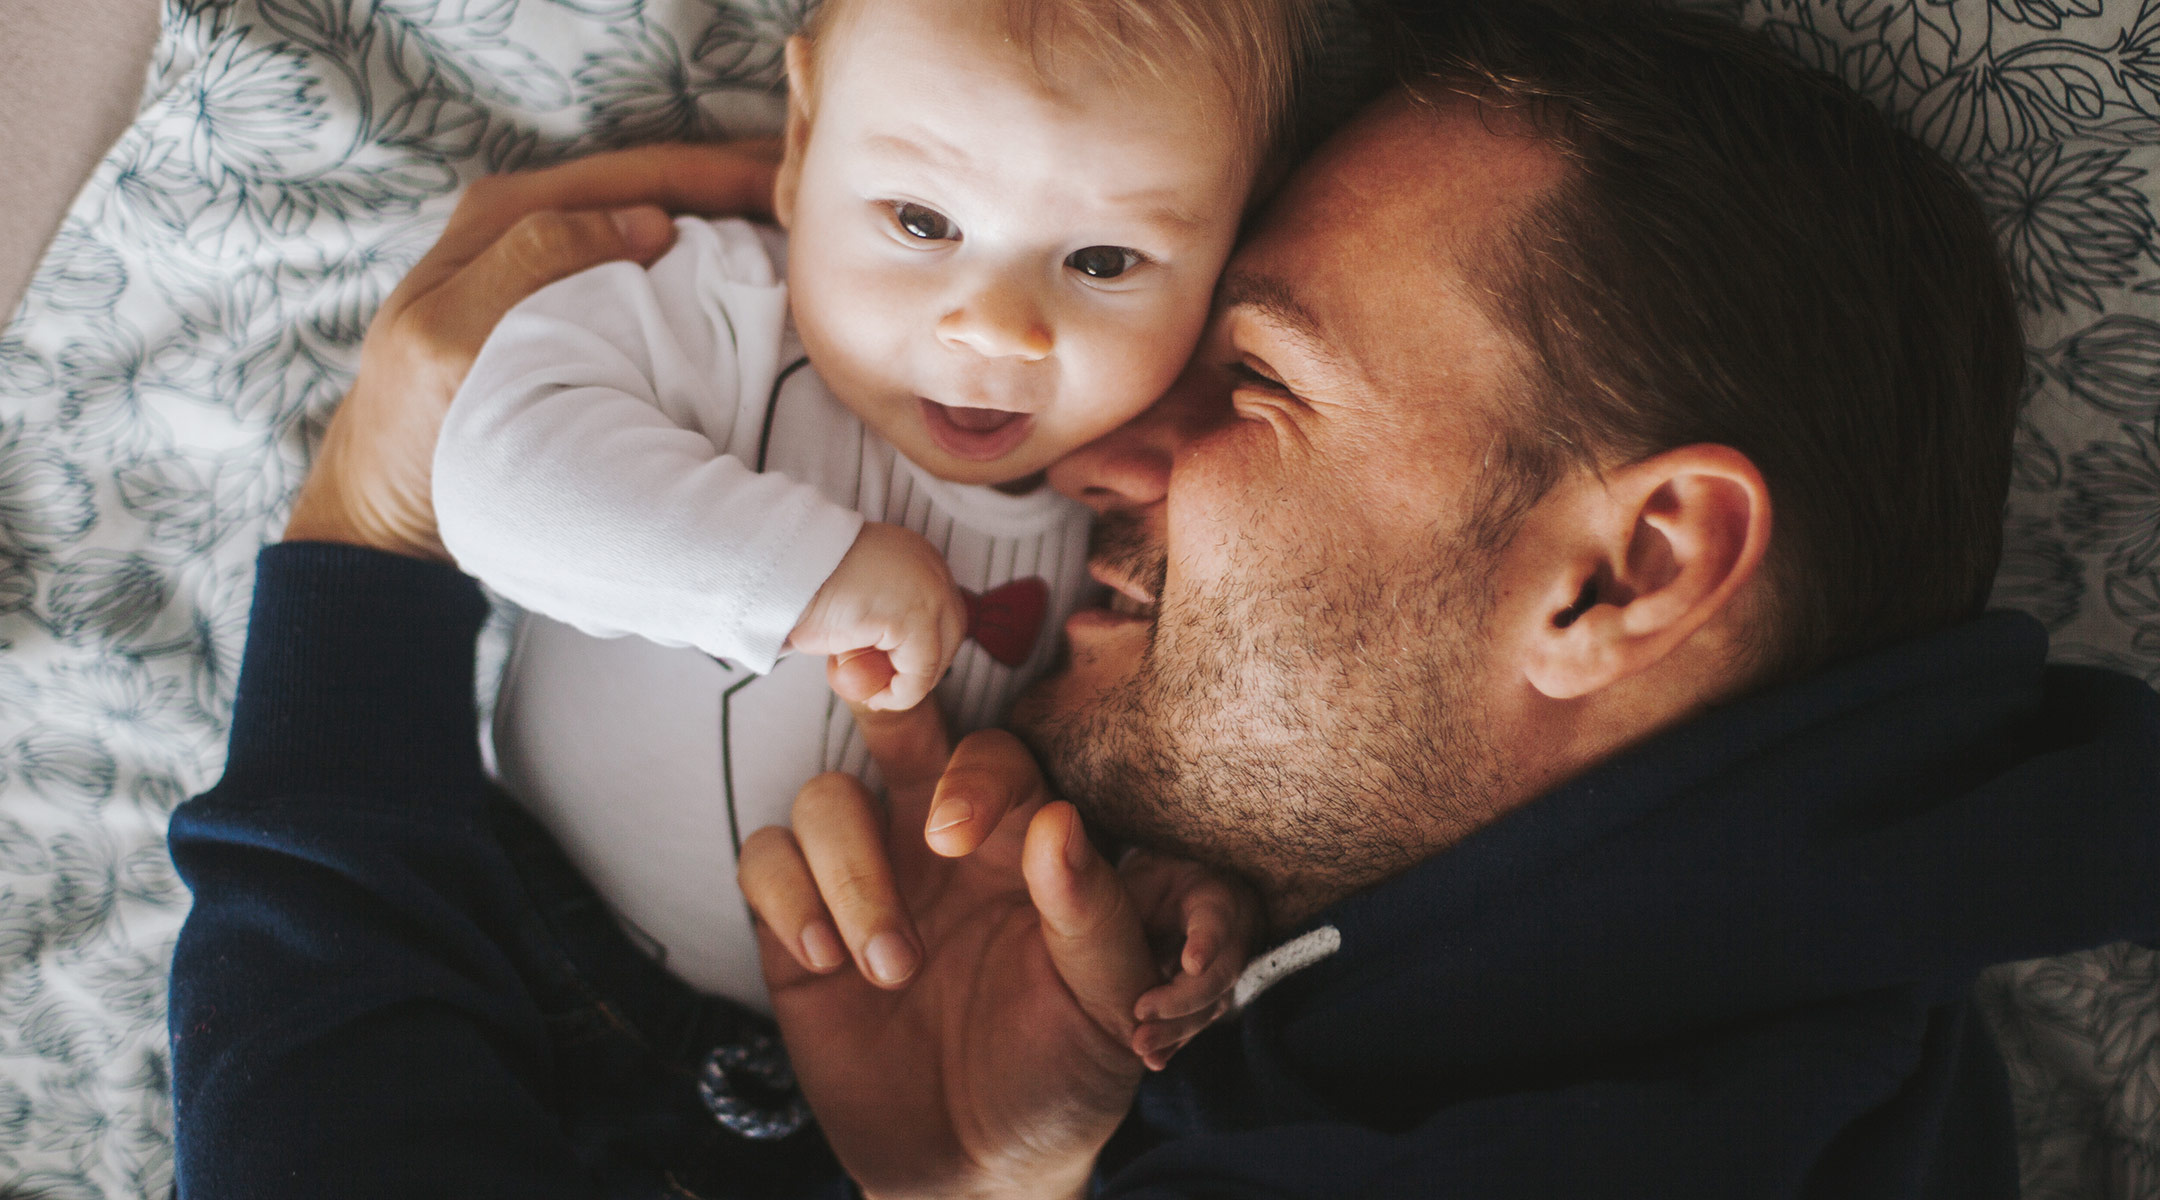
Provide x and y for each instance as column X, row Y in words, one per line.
column 1656, row 553
column 789, row 179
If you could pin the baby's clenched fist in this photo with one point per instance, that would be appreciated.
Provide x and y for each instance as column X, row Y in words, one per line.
column 890, row 616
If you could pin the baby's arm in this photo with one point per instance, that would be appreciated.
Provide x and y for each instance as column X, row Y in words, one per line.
column 581, row 473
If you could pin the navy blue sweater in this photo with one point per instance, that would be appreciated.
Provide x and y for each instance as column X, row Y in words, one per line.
column 1732, row 962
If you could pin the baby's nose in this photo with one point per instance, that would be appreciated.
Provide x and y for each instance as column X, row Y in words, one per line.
column 998, row 323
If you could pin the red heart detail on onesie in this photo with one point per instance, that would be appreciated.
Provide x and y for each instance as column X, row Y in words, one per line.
column 1005, row 620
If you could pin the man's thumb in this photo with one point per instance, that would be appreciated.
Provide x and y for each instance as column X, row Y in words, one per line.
column 1089, row 923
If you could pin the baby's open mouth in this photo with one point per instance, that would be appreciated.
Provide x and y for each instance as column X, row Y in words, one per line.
column 976, row 434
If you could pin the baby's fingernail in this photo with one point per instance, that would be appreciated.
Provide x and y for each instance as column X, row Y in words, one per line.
column 949, row 814
column 1198, row 954
column 891, row 959
column 821, row 946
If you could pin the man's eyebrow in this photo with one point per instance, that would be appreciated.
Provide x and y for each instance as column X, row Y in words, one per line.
column 1275, row 301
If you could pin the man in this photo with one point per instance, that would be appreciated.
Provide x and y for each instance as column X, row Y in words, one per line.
column 1623, row 836
column 1618, row 834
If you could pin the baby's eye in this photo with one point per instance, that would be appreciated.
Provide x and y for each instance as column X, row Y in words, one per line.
column 1103, row 262
column 926, row 223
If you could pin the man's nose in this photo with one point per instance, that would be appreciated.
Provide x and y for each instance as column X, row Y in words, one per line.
column 1128, row 468
column 1000, row 318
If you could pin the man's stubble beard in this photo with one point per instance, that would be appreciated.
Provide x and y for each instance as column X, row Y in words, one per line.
column 1315, row 738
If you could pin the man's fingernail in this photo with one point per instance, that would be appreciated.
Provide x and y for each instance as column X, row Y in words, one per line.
column 822, row 946
column 641, row 229
column 949, row 814
column 891, row 959
column 1076, row 845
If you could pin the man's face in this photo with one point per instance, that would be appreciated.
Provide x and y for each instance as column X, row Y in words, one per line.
column 1293, row 683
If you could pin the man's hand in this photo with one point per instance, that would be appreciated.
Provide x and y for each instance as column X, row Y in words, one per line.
column 510, row 236
column 986, row 1043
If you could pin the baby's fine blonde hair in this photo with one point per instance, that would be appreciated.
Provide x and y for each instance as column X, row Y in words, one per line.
column 1257, row 48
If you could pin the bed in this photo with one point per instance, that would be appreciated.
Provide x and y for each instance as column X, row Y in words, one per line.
column 200, row 309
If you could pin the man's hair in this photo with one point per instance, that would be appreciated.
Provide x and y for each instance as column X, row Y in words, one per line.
column 1746, row 252
column 1258, row 48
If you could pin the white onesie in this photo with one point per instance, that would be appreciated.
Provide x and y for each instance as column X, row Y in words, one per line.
column 646, row 451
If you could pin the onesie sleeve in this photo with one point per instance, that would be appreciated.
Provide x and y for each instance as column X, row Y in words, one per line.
column 585, row 469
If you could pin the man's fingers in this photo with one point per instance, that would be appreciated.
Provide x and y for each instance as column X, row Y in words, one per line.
column 545, row 246
column 1089, row 924
column 729, row 180
column 910, row 747
column 456, row 317
column 776, row 881
column 989, row 775
column 843, row 841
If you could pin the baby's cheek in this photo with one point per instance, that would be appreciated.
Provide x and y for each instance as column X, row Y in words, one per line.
column 1122, row 390
column 1152, row 346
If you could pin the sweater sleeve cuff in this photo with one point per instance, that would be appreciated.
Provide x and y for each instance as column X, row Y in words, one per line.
column 358, row 671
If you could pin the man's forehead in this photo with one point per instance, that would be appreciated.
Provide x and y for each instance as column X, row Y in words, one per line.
column 1276, row 301
column 1361, row 256
column 1421, row 170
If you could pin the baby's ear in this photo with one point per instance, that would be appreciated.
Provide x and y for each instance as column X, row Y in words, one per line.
column 798, row 130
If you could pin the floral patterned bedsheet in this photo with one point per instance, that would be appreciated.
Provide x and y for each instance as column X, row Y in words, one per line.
column 201, row 309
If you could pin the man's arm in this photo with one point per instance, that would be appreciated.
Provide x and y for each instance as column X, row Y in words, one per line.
column 345, row 1019
column 511, row 235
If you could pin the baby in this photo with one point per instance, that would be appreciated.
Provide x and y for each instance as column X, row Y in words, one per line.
column 1004, row 221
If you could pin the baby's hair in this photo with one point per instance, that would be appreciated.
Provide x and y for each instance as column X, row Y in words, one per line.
column 1258, row 48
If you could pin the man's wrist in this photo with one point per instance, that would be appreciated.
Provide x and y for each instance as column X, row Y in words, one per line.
column 325, row 511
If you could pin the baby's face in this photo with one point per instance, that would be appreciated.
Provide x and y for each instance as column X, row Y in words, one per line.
column 991, row 274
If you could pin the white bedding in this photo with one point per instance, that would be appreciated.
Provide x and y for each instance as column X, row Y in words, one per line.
column 200, row 311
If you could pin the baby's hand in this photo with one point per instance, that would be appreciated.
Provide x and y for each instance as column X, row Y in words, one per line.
column 1202, row 924
column 890, row 616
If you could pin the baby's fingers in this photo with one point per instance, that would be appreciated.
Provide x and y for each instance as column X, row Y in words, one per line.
column 1156, row 1041
column 1209, row 918
column 857, row 676
column 1202, row 984
column 918, row 661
